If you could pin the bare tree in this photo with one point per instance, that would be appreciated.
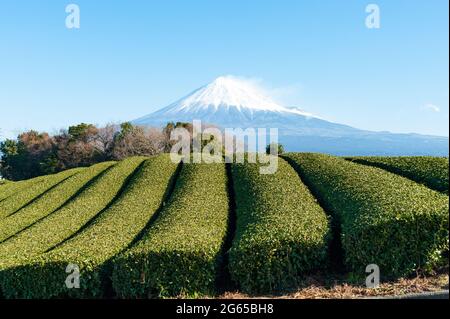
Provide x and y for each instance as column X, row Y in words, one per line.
column 136, row 141
column 104, row 140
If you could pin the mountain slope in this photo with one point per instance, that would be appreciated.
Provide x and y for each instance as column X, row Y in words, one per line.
column 229, row 102
column 226, row 101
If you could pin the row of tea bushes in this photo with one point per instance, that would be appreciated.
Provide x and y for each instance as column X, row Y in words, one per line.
column 430, row 171
column 10, row 188
column 28, row 191
column 65, row 222
column 131, row 225
column 282, row 233
column 50, row 202
column 180, row 253
column 386, row 219
column 91, row 250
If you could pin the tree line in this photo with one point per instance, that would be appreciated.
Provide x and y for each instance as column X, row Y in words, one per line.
column 35, row 153
column 38, row 153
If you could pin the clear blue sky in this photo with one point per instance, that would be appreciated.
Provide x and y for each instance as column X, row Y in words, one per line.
column 132, row 57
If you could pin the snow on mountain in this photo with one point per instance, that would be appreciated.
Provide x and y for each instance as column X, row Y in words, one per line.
column 228, row 91
column 227, row 100
column 230, row 102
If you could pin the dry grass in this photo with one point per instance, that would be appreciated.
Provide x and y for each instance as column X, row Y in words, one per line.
column 314, row 288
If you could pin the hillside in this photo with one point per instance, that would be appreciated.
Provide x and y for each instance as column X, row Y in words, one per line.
column 147, row 227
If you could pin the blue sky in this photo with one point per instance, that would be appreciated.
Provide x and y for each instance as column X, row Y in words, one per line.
column 130, row 58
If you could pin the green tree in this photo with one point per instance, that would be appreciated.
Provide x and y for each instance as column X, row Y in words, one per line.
column 167, row 131
column 82, row 131
column 25, row 157
column 275, row 146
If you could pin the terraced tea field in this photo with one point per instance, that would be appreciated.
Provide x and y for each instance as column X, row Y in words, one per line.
column 147, row 227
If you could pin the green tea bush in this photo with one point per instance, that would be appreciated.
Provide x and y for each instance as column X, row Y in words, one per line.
column 282, row 233
column 7, row 189
column 10, row 188
column 427, row 170
column 28, row 192
column 50, row 201
column 386, row 219
column 66, row 222
column 91, row 250
column 180, row 253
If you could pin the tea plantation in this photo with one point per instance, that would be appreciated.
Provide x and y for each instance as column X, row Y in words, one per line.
column 151, row 228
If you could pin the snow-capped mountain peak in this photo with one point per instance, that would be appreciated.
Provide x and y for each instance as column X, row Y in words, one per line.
column 228, row 91
column 228, row 100
column 228, row 94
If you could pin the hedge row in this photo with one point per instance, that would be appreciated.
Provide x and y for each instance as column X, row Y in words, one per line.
column 386, row 219
column 50, row 201
column 28, row 192
column 282, row 232
column 180, row 253
column 10, row 188
column 3, row 182
column 91, row 250
column 430, row 171
column 65, row 222
column 7, row 189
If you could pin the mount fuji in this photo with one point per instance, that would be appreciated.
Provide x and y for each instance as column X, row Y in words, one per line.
column 229, row 102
